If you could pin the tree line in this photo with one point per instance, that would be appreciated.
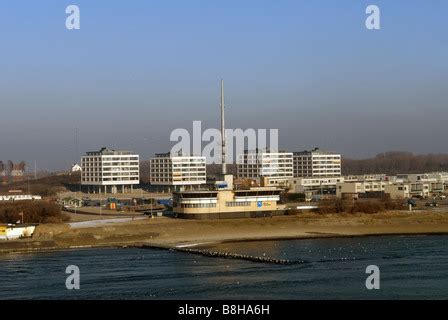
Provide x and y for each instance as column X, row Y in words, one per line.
column 396, row 162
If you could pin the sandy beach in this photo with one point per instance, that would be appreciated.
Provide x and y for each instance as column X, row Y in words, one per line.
column 169, row 232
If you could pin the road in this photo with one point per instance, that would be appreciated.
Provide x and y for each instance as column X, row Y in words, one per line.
column 99, row 223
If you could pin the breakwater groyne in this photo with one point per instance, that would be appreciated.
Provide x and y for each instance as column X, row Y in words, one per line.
column 225, row 255
column 239, row 256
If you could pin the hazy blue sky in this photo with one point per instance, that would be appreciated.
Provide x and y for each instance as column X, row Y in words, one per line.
column 139, row 69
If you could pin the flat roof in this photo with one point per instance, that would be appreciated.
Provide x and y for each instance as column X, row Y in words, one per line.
column 107, row 151
column 315, row 151
column 246, row 151
column 174, row 155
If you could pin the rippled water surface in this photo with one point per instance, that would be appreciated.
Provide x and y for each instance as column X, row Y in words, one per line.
column 412, row 267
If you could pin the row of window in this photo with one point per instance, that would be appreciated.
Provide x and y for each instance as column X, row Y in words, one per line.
column 176, row 167
column 317, row 162
column 317, row 168
column 114, row 170
column 109, row 174
column 374, row 187
column 177, row 180
column 183, row 162
column 170, row 177
column 109, row 179
column 237, row 204
column 198, row 205
column 107, row 163
column 203, row 169
column 307, row 158
column 326, row 171
column 195, row 169
column 155, row 175
column 90, row 159
column 120, row 174
column 253, row 166
column 265, row 169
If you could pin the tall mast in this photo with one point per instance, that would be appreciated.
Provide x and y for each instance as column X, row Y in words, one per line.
column 76, row 145
column 223, row 132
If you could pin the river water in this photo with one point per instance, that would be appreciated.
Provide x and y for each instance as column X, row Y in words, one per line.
column 411, row 267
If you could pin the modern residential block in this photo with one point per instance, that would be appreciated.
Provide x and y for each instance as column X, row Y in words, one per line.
column 316, row 163
column 177, row 170
column 258, row 164
column 108, row 170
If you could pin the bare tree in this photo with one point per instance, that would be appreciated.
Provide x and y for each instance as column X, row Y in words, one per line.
column 394, row 162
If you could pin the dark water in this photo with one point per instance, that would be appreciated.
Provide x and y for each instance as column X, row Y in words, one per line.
column 412, row 267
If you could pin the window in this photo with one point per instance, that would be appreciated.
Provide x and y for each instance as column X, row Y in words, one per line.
column 237, row 204
column 199, row 205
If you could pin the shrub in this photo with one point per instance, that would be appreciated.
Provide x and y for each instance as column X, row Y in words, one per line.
column 293, row 212
column 394, row 204
column 33, row 212
column 358, row 206
column 333, row 206
column 370, row 206
column 293, row 197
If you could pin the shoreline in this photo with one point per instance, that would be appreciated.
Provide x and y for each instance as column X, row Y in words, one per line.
column 169, row 233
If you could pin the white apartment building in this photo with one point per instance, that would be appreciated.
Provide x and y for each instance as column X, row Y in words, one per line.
column 108, row 170
column 258, row 164
column 177, row 170
column 316, row 163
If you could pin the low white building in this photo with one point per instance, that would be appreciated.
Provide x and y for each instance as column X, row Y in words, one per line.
column 316, row 184
column 424, row 184
column 440, row 177
column 398, row 191
column 424, row 188
column 76, row 168
column 424, row 177
column 357, row 187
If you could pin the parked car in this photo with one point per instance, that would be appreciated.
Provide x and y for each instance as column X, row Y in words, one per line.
column 412, row 202
column 431, row 204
